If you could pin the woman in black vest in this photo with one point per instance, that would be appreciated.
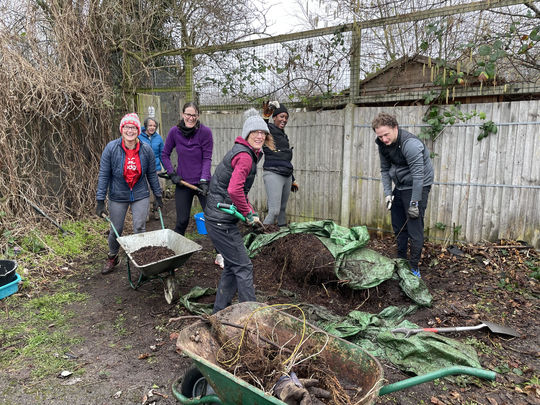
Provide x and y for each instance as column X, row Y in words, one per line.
column 230, row 184
column 278, row 169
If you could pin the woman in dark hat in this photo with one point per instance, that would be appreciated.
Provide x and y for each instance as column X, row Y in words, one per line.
column 278, row 170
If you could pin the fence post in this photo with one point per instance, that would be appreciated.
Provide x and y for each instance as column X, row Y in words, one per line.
column 188, row 73
column 348, row 128
column 355, row 63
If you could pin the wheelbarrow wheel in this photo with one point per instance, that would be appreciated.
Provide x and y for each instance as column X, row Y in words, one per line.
column 194, row 384
column 171, row 289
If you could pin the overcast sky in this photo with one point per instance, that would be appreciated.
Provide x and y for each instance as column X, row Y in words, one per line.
column 284, row 17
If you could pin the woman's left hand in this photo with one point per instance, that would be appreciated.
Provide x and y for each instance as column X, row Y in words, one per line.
column 294, row 187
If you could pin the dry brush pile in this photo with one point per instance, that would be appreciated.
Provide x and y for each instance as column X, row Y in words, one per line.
column 62, row 66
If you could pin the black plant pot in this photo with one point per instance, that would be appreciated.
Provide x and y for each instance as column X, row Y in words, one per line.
column 7, row 271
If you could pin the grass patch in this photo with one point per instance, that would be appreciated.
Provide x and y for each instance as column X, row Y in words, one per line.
column 36, row 330
column 37, row 333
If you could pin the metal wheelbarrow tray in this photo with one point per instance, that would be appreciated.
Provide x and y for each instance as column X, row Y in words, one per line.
column 352, row 365
column 180, row 245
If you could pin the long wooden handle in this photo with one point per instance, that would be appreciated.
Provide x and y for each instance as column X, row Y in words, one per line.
column 188, row 185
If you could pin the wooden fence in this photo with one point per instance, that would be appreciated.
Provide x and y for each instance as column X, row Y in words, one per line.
column 484, row 190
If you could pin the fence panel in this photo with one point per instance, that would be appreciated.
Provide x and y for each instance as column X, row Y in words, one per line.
column 486, row 189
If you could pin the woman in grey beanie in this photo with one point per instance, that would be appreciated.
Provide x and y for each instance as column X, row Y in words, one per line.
column 230, row 184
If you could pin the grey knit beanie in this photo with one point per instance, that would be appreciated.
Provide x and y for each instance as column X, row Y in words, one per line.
column 253, row 122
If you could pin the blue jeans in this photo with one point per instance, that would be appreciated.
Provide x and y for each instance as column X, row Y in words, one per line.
column 407, row 229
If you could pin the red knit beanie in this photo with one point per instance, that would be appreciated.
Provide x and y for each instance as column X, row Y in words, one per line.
column 131, row 119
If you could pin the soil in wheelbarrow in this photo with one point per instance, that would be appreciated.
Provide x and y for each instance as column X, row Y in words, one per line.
column 125, row 344
column 151, row 254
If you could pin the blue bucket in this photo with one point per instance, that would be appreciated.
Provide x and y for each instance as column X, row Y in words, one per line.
column 199, row 220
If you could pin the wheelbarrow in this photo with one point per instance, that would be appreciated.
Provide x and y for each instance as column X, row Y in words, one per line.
column 353, row 366
column 162, row 269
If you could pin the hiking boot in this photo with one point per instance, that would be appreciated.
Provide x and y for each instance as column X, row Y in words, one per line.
column 219, row 261
column 110, row 264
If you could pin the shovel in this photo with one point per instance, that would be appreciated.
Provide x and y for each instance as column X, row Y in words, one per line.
column 182, row 182
column 493, row 327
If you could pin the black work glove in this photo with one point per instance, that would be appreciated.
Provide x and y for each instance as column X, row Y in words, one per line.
column 204, row 186
column 176, row 179
column 413, row 211
column 100, row 209
column 294, row 187
column 158, row 203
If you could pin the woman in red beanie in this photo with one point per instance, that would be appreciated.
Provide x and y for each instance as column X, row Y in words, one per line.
column 126, row 168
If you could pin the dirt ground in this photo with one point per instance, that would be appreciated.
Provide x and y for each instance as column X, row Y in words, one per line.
column 469, row 283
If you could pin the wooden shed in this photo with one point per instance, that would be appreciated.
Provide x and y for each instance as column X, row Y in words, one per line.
column 407, row 80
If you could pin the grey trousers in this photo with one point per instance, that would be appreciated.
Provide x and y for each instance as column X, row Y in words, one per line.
column 278, row 188
column 237, row 275
column 117, row 215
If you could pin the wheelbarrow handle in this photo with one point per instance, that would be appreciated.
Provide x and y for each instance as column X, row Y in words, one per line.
column 112, row 225
column 456, row 370
column 231, row 209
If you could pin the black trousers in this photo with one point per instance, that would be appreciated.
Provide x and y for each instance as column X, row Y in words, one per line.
column 237, row 275
column 407, row 229
column 183, row 198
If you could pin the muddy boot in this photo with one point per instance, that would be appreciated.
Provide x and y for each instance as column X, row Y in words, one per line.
column 110, row 264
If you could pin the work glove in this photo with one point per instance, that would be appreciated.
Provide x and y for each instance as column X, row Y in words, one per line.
column 268, row 108
column 252, row 218
column 388, row 201
column 292, row 390
column 294, row 187
column 203, row 185
column 176, row 179
column 100, row 209
column 413, row 210
column 158, row 203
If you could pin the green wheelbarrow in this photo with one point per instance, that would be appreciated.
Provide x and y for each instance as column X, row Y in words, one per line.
column 164, row 269
column 354, row 367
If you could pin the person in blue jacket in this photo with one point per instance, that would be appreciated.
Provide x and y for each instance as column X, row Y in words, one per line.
column 150, row 136
column 126, row 168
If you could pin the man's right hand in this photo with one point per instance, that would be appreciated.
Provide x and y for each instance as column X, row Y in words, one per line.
column 100, row 209
column 388, row 201
column 176, row 179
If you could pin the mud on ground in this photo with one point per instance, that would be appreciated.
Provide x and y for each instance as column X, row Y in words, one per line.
column 121, row 365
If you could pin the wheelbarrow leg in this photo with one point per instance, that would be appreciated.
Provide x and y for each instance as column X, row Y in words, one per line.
column 171, row 288
column 141, row 279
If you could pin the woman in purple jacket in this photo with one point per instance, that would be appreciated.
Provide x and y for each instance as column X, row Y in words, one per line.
column 194, row 144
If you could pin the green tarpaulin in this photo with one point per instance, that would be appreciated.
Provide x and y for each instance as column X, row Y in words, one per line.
column 419, row 354
column 362, row 267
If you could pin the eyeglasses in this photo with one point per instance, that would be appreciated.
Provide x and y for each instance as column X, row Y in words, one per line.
column 258, row 133
column 130, row 128
column 191, row 116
